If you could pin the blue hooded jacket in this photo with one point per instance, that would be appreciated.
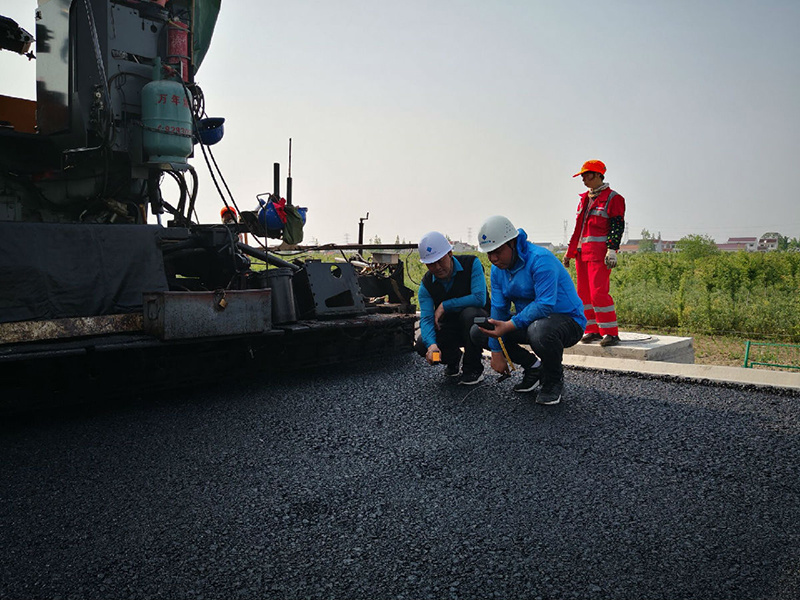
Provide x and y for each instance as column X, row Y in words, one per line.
column 537, row 284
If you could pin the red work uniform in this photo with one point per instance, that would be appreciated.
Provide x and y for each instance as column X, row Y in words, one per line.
column 588, row 247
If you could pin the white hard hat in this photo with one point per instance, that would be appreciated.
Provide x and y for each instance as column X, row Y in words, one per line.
column 432, row 247
column 495, row 232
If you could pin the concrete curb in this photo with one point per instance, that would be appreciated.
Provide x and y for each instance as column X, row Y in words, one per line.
column 758, row 377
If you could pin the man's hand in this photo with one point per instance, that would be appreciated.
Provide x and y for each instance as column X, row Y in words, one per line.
column 501, row 328
column 499, row 363
column 611, row 258
column 438, row 314
column 565, row 260
column 429, row 355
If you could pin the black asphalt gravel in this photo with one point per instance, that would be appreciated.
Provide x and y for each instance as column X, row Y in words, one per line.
column 381, row 481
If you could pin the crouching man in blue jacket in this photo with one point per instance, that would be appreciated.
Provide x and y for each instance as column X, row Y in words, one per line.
column 452, row 294
column 549, row 314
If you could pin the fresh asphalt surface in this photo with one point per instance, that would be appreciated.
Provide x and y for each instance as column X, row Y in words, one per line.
column 379, row 481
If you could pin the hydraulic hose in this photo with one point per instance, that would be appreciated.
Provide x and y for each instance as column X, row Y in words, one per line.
column 266, row 257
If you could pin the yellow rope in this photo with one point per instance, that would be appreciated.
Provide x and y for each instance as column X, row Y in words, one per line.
column 505, row 353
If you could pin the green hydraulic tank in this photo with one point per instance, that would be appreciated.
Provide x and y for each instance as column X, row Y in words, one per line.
column 166, row 119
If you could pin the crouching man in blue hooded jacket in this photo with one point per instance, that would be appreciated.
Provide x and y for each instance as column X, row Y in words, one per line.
column 549, row 313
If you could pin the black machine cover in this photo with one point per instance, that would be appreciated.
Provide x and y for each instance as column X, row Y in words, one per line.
column 53, row 271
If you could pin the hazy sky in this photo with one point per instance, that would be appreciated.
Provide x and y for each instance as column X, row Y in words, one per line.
column 437, row 114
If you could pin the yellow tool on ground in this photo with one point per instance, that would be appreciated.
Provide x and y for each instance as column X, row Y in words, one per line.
column 484, row 322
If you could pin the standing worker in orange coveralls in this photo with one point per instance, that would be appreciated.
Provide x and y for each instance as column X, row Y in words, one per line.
column 594, row 245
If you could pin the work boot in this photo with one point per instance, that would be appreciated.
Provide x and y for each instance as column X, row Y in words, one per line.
column 591, row 337
column 609, row 340
column 471, row 377
column 550, row 393
column 529, row 379
column 451, row 370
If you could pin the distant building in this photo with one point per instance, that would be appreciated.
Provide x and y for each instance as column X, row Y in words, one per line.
column 632, row 247
column 547, row 245
column 666, row 245
column 768, row 242
column 733, row 247
column 463, row 247
column 750, row 244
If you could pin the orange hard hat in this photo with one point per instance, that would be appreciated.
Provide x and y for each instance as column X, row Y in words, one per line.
column 228, row 209
column 595, row 166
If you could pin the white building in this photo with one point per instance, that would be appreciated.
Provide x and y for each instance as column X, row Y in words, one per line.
column 768, row 242
column 744, row 243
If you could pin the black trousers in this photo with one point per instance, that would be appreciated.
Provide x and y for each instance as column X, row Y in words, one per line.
column 547, row 338
column 454, row 334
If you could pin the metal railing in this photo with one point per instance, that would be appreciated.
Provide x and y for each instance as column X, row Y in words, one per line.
column 774, row 352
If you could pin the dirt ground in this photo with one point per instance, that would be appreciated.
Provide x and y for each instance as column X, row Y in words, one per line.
column 730, row 351
column 719, row 350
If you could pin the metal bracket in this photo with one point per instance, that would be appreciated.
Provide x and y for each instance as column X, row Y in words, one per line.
column 327, row 290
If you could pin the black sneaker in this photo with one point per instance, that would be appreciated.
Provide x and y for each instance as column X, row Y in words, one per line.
column 591, row 337
column 550, row 393
column 609, row 340
column 529, row 379
column 470, row 378
column 451, row 370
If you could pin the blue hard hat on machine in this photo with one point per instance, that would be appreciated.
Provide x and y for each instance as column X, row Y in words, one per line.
column 210, row 130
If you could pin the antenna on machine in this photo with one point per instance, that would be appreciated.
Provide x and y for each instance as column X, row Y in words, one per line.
column 289, row 176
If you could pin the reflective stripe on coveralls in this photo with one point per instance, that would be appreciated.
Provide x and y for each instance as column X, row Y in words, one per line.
column 594, row 238
column 601, row 312
column 603, row 214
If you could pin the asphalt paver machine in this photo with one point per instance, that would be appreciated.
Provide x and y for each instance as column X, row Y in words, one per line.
column 105, row 284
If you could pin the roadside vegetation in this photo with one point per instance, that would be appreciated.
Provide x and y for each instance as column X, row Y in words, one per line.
column 750, row 294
